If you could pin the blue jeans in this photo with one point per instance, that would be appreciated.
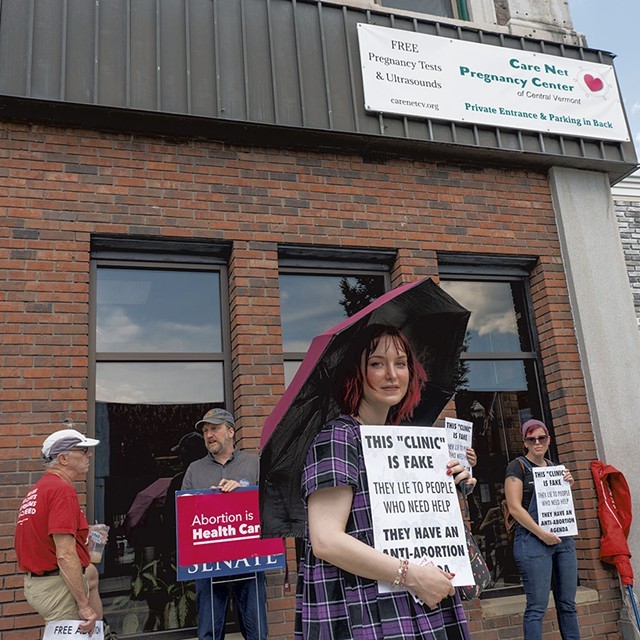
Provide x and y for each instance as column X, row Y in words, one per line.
column 544, row 568
column 250, row 595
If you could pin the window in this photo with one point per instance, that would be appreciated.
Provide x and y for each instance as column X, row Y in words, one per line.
column 315, row 296
column 160, row 345
column 441, row 8
column 500, row 387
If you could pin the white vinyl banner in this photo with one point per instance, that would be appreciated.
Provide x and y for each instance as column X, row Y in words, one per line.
column 414, row 503
column 425, row 76
column 555, row 502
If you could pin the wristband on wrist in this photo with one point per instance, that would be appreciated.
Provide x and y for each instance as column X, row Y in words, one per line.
column 401, row 575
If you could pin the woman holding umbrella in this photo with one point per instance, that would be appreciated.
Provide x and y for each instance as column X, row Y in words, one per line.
column 337, row 594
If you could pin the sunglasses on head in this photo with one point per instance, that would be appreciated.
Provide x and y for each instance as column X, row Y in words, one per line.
column 532, row 440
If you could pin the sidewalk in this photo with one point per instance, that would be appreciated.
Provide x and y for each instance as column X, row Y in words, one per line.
column 228, row 636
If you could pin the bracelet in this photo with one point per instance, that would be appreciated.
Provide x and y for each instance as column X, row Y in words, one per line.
column 401, row 575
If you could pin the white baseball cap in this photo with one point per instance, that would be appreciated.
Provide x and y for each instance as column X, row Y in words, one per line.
column 65, row 440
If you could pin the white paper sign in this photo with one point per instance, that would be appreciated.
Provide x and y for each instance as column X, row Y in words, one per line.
column 414, row 503
column 555, row 502
column 428, row 76
column 68, row 630
column 459, row 438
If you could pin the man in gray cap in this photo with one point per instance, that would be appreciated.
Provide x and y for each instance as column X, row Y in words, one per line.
column 51, row 536
column 225, row 468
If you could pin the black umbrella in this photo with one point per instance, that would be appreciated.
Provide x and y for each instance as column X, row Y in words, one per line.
column 435, row 325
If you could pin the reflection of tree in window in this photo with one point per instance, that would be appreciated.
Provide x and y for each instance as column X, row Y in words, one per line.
column 358, row 292
column 461, row 375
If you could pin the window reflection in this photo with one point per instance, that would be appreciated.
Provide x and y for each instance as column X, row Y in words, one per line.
column 496, row 419
column 497, row 312
column 157, row 310
column 146, row 406
column 497, row 396
column 159, row 382
column 290, row 369
column 139, row 467
column 313, row 303
column 442, row 8
column 494, row 375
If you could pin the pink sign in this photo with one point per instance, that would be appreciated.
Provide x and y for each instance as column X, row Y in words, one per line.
column 215, row 526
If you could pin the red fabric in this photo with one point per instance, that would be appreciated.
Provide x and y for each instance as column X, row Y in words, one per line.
column 614, row 512
column 51, row 506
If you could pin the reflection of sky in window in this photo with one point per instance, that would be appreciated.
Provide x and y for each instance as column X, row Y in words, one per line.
column 290, row 369
column 149, row 310
column 309, row 305
column 492, row 326
column 496, row 375
column 159, row 382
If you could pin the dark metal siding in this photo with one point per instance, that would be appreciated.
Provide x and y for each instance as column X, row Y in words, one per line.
column 282, row 63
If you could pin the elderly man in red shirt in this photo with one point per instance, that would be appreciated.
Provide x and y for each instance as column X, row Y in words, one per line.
column 51, row 536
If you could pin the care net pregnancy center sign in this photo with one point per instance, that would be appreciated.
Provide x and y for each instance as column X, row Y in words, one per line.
column 414, row 505
column 555, row 502
column 426, row 76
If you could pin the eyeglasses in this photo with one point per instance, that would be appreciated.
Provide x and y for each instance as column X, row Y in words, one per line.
column 540, row 439
column 82, row 450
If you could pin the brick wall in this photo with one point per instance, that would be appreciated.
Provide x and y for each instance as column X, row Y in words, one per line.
column 628, row 213
column 58, row 187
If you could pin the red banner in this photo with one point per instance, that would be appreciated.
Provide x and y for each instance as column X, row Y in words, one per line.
column 215, row 526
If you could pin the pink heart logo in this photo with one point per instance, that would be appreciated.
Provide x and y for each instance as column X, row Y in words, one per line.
column 595, row 84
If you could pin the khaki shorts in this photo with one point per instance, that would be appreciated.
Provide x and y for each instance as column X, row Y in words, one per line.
column 51, row 598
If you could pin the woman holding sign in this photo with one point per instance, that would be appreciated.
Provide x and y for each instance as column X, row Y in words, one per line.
column 540, row 554
column 338, row 596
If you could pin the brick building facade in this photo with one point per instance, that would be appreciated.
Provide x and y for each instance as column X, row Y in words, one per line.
column 75, row 195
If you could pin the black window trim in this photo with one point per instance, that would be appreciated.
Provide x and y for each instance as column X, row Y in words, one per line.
column 477, row 266
column 322, row 259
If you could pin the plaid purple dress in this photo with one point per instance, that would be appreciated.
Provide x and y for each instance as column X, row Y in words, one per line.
column 332, row 604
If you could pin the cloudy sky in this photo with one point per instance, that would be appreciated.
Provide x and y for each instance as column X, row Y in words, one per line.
column 613, row 26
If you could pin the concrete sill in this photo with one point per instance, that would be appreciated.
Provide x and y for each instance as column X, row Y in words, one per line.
column 513, row 605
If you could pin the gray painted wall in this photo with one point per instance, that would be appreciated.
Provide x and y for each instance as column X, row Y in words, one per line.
column 605, row 319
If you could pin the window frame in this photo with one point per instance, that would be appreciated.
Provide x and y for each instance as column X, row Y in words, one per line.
column 485, row 268
column 154, row 255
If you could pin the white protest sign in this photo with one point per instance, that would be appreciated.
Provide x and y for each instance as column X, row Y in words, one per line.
column 68, row 630
column 459, row 437
column 555, row 502
column 414, row 504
